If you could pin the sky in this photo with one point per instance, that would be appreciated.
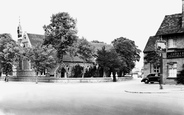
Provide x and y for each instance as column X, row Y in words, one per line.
column 102, row 20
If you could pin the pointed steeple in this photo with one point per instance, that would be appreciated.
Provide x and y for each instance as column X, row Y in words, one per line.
column 19, row 30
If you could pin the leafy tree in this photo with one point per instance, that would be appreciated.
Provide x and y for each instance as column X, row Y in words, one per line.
column 9, row 54
column 61, row 34
column 41, row 58
column 110, row 61
column 153, row 58
column 115, row 62
column 128, row 52
column 102, row 60
column 85, row 51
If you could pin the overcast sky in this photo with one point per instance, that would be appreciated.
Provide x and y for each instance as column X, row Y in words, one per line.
column 103, row 20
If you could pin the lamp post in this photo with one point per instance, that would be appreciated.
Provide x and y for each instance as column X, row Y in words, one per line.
column 161, row 48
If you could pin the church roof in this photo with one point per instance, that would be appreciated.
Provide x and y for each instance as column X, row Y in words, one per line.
column 68, row 58
column 35, row 38
column 171, row 24
column 98, row 46
column 38, row 39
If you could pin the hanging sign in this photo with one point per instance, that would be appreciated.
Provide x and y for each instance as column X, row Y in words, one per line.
column 161, row 45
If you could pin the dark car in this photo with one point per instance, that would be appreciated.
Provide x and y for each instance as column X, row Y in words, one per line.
column 151, row 78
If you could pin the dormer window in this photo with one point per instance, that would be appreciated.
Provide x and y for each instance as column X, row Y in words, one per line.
column 171, row 43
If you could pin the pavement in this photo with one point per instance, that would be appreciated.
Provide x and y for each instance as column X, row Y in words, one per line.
column 155, row 88
column 107, row 98
column 137, row 87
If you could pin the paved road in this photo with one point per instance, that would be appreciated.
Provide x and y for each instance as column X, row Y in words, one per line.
column 86, row 99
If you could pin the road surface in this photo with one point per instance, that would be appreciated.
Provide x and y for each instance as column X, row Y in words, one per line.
column 22, row 98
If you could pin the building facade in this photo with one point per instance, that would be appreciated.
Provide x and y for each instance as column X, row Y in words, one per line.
column 171, row 31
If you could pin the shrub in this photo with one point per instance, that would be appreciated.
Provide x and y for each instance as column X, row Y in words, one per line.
column 180, row 77
column 90, row 72
column 77, row 71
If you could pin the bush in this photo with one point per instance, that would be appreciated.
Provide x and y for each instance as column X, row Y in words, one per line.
column 77, row 71
column 180, row 77
column 90, row 72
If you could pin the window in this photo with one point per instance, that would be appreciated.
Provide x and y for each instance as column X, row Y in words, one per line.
column 156, row 69
column 172, row 70
column 171, row 43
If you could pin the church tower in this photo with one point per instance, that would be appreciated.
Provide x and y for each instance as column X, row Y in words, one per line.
column 19, row 32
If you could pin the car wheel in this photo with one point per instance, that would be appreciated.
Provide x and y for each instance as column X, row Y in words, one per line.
column 146, row 81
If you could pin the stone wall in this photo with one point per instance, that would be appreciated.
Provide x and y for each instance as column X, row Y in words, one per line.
column 67, row 80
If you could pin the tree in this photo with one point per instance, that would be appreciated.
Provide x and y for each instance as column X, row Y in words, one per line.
column 61, row 34
column 128, row 52
column 85, row 51
column 153, row 58
column 103, row 60
column 110, row 61
column 9, row 54
column 41, row 58
column 115, row 62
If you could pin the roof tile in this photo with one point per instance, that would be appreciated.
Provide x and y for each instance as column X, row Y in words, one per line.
column 35, row 38
column 150, row 46
column 171, row 25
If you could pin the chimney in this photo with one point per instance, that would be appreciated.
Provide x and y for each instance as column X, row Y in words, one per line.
column 182, row 13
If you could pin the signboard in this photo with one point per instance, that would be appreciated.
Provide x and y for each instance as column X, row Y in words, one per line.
column 161, row 45
column 178, row 54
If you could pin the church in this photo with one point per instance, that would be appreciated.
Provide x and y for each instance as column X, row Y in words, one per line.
column 24, row 69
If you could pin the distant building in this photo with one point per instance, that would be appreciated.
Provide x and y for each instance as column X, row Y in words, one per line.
column 172, row 31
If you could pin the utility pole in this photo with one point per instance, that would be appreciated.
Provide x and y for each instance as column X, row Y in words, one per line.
column 161, row 48
column 161, row 71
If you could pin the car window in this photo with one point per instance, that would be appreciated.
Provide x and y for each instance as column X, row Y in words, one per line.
column 151, row 75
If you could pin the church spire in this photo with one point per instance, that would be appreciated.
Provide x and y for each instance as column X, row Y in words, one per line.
column 19, row 29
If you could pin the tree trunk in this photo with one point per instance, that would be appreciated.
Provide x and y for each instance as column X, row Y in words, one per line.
column 83, row 73
column 83, row 70
column 114, row 78
column 60, row 61
column 36, row 78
